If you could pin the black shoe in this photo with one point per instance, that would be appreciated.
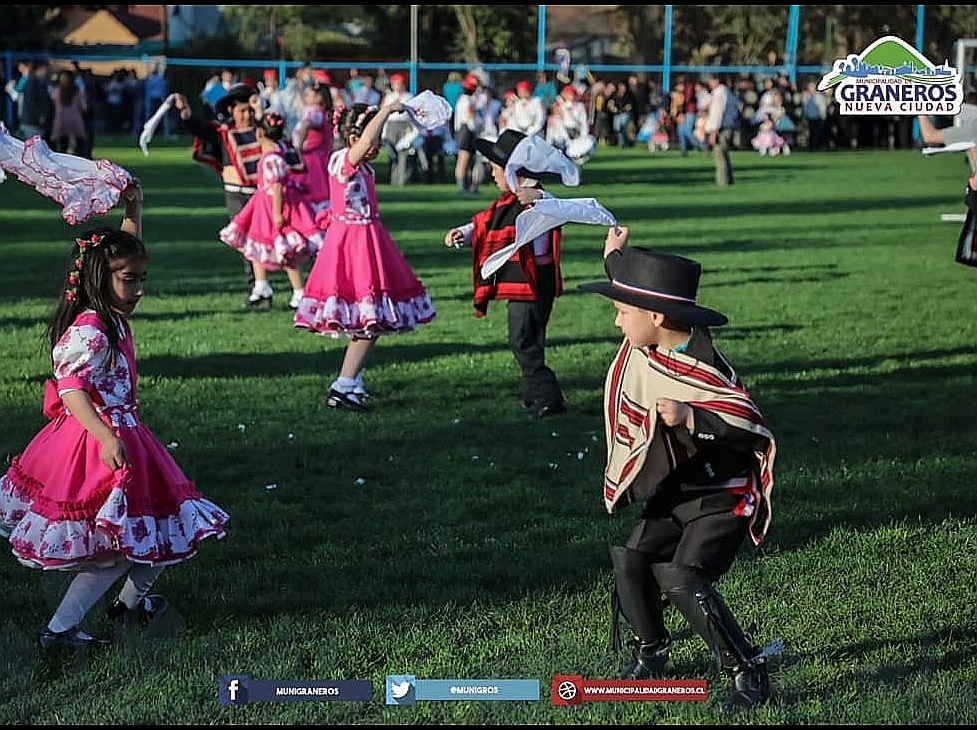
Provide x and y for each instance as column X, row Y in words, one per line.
column 142, row 614
column 751, row 688
column 649, row 660
column 72, row 638
column 544, row 410
column 345, row 401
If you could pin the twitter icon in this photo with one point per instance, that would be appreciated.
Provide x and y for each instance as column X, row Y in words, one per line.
column 401, row 689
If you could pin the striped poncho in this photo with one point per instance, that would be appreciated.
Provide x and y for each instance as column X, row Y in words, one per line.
column 641, row 452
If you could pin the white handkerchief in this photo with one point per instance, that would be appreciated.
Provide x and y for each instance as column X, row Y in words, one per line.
column 952, row 147
column 545, row 215
column 149, row 128
column 428, row 111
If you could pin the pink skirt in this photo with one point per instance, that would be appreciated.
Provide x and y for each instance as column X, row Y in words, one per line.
column 362, row 285
column 62, row 508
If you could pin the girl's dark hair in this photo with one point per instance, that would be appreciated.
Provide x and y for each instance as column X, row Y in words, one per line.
column 353, row 119
column 324, row 93
column 88, row 281
column 273, row 125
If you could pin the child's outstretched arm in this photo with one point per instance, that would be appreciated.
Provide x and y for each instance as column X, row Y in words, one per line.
column 372, row 130
column 132, row 217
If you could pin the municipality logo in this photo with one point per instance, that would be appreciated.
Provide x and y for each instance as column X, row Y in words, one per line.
column 892, row 77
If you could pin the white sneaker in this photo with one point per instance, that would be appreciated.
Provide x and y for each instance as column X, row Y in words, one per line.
column 296, row 298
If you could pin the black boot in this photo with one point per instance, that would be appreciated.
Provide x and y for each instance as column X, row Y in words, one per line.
column 639, row 599
column 702, row 606
column 738, row 656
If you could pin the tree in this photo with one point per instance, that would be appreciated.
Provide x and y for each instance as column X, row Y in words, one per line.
column 30, row 27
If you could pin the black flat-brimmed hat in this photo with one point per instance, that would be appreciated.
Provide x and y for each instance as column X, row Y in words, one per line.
column 500, row 151
column 658, row 282
column 236, row 95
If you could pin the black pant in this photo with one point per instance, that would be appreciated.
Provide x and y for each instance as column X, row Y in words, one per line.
column 527, row 323
column 235, row 202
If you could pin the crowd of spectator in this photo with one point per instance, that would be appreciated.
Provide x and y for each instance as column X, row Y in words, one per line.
column 584, row 110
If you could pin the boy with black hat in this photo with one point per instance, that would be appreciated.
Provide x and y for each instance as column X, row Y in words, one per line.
column 683, row 435
column 530, row 280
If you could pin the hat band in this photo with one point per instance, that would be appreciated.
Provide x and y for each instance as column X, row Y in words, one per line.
column 649, row 293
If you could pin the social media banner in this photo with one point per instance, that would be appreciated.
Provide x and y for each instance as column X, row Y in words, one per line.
column 572, row 689
column 238, row 689
column 406, row 689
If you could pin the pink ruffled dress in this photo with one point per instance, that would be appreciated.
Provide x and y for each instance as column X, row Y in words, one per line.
column 253, row 231
column 62, row 508
column 360, row 284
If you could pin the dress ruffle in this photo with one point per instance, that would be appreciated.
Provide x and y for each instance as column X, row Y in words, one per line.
column 365, row 318
column 61, row 544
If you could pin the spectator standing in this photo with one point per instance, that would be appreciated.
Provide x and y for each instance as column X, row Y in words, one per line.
column 115, row 92
column 451, row 88
column 687, row 115
column 545, row 89
column 398, row 133
column 365, row 92
column 216, row 88
column 815, row 107
column 157, row 89
column 35, row 112
column 719, row 129
column 468, row 125
column 272, row 99
column 69, row 132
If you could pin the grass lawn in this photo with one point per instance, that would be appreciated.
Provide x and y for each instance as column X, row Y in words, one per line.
column 449, row 536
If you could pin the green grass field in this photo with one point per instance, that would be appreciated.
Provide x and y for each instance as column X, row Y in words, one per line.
column 449, row 536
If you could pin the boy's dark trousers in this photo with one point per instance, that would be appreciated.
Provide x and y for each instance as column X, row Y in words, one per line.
column 235, row 202
column 527, row 323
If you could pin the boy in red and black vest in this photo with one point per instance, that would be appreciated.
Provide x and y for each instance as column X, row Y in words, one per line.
column 530, row 280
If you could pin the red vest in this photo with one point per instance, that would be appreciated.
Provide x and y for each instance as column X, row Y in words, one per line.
column 495, row 228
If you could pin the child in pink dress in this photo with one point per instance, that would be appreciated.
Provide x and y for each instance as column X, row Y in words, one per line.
column 95, row 492
column 360, row 286
column 313, row 136
column 276, row 229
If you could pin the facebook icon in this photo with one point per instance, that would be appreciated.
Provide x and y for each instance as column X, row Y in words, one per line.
column 233, row 689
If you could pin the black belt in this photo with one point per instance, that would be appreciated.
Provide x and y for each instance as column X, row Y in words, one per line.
column 245, row 189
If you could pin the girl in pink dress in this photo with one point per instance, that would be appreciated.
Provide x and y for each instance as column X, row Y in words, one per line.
column 276, row 229
column 313, row 136
column 360, row 286
column 95, row 492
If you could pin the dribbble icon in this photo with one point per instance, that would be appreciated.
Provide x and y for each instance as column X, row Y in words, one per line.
column 233, row 690
column 400, row 689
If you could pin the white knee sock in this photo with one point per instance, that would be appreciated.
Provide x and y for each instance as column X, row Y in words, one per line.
column 140, row 580
column 83, row 593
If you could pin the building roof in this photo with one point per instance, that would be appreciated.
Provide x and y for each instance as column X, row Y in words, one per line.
column 115, row 25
